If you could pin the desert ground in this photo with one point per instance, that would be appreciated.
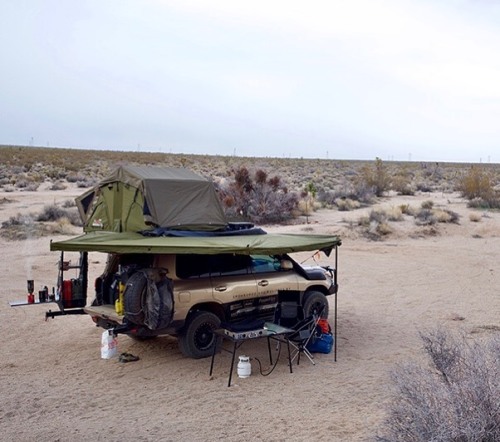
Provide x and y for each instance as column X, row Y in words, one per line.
column 55, row 386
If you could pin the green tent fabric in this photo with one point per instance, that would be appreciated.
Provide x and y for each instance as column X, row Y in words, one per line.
column 135, row 198
column 129, row 242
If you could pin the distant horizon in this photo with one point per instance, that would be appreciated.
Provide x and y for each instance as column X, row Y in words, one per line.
column 235, row 155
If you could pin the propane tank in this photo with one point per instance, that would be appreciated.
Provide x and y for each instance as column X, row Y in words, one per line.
column 244, row 367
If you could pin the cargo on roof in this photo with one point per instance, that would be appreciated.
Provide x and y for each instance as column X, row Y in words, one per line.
column 136, row 198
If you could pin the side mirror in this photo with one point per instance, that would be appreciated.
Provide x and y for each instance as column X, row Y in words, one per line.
column 285, row 264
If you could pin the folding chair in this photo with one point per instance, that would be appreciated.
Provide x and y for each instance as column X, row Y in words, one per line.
column 291, row 315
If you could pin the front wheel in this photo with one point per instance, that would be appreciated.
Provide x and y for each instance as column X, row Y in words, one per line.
column 197, row 340
column 315, row 302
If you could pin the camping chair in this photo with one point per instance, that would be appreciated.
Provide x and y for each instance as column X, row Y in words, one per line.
column 291, row 315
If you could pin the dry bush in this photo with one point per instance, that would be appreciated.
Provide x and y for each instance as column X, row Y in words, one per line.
column 406, row 209
column 401, row 183
column 427, row 204
column 257, row 198
column 475, row 217
column 375, row 225
column 478, row 187
column 58, row 185
column 19, row 227
column 446, row 216
column 395, row 214
column 347, row 204
column 454, row 397
column 476, row 184
column 425, row 217
column 375, row 177
column 56, row 213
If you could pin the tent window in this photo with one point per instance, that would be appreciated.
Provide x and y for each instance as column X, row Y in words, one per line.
column 87, row 201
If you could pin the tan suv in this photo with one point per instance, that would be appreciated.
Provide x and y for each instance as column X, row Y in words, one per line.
column 189, row 295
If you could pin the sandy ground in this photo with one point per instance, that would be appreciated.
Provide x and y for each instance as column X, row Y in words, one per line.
column 55, row 387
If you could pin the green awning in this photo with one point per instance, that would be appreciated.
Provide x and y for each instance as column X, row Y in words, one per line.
column 129, row 242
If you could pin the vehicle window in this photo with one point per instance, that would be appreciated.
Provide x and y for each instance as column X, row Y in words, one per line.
column 203, row 266
column 265, row 264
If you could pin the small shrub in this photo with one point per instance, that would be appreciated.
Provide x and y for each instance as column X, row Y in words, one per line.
column 69, row 203
column 58, row 185
column 427, row 204
column 55, row 213
column 446, row 216
column 477, row 184
column 406, row 209
column 454, row 397
column 378, row 215
column 395, row 214
column 376, row 177
column 19, row 227
column 424, row 187
column 475, row 217
column 402, row 185
column 425, row 217
column 346, row 204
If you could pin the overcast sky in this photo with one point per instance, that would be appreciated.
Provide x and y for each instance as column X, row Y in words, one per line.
column 338, row 79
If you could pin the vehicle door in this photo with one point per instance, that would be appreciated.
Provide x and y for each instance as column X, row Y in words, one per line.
column 234, row 285
column 272, row 275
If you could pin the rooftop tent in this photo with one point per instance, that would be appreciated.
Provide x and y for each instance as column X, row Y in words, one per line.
column 135, row 198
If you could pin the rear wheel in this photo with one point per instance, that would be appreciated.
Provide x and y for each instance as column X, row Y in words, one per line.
column 315, row 302
column 197, row 340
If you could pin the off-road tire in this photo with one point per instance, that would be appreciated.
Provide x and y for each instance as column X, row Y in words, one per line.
column 196, row 339
column 133, row 298
column 313, row 302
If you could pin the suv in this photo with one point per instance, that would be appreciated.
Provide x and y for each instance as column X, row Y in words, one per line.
column 190, row 295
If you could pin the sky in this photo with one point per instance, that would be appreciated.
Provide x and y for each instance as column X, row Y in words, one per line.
column 400, row 80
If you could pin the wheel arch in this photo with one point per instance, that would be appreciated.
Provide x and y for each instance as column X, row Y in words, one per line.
column 315, row 288
column 212, row 307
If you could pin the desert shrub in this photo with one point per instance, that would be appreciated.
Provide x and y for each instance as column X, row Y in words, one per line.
column 375, row 225
column 406, row 209
column 257, row 198
column 402, row 184
column 58, row 185
column 475, row 217
column 56, row 213
column 375, row 177
column 74, row 178
column 86, row 183
column 347, row 204
column 424, row 187
column 479, row 203
column 446, row 216
column 18, row 227
column 427, row 204
column 395, row 214
column 478, row 187
column 453, row 397
column 476, row 183
column 69, row 203
column 425, row 217
column 358, row 191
